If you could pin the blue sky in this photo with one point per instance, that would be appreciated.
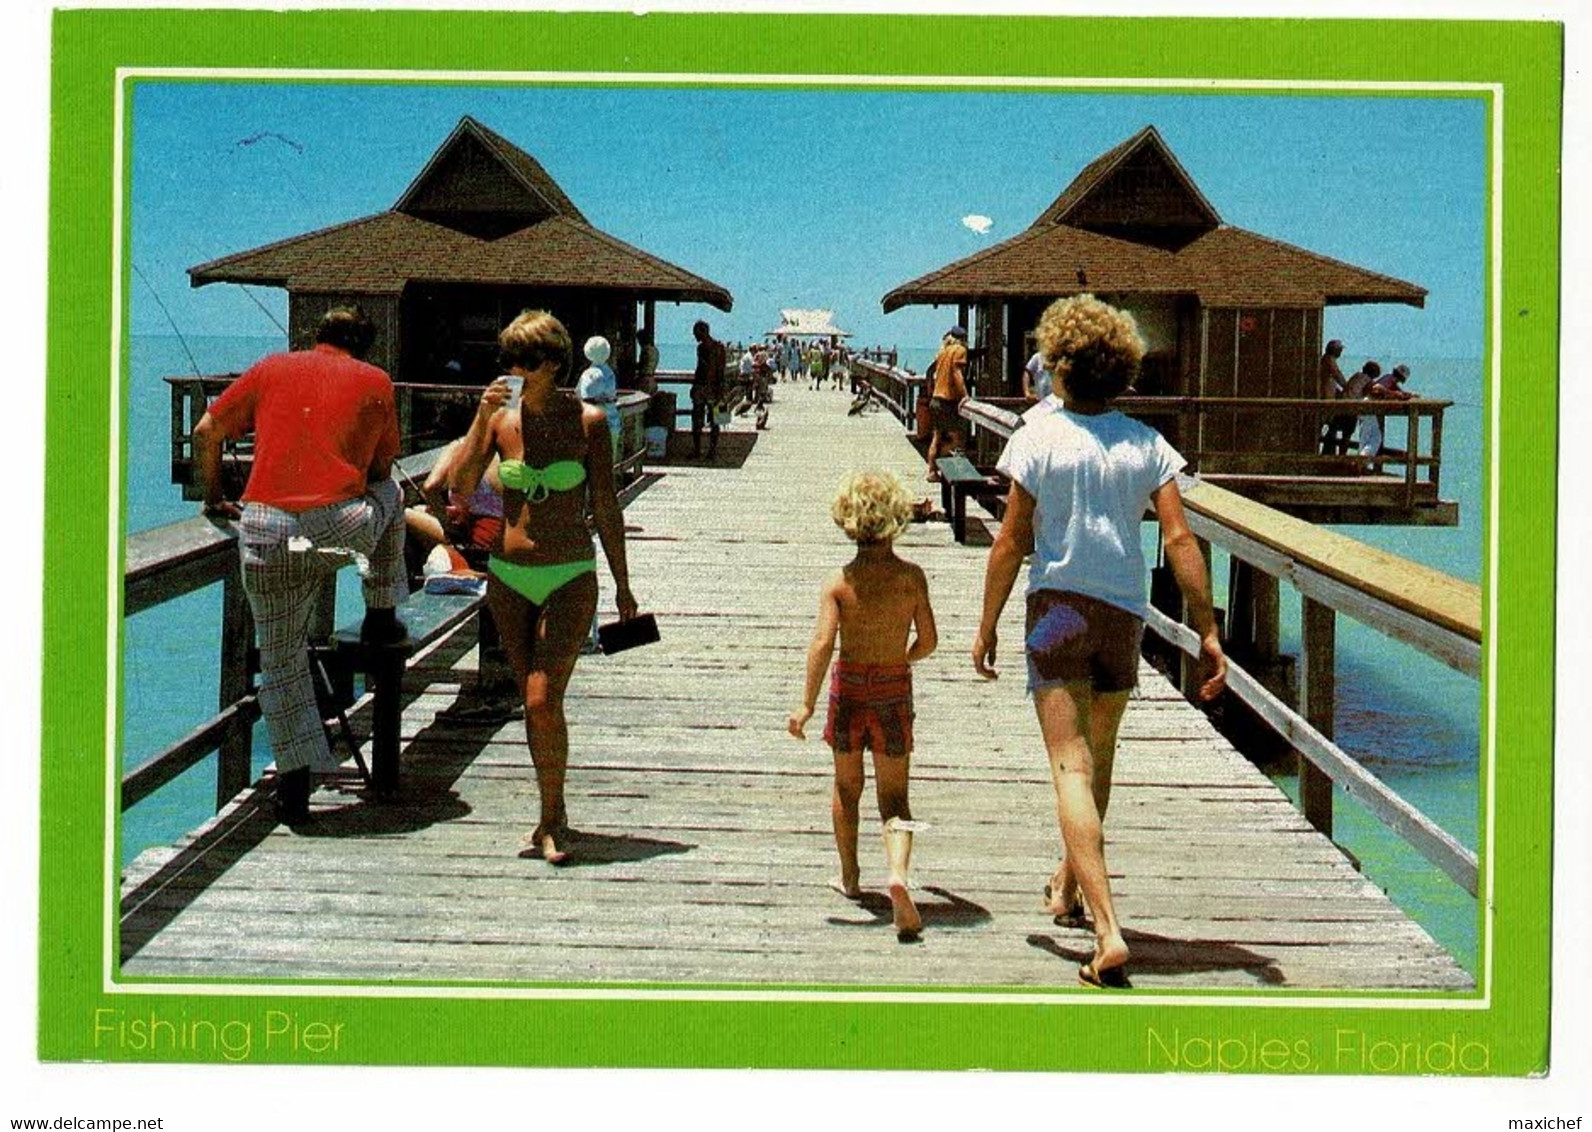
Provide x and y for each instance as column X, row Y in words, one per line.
column 815, row 198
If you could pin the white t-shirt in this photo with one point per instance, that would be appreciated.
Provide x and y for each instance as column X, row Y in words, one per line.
column 1091, row 478
column 1038, row 376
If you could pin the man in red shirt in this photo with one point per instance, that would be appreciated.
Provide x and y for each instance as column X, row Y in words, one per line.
column 320, row 494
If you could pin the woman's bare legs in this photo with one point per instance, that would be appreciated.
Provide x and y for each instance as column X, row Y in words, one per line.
column 1103, row 729
column 542, row 644
column 1067, row 721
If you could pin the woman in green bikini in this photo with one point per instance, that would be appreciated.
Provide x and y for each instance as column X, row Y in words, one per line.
column 555, row 453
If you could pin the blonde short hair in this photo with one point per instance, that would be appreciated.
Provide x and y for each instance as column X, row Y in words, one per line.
column 533, row 338
column 1092, row 347
column 872, row 506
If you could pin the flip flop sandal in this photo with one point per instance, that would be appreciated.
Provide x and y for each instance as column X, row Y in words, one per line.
column 1112, row 978
column 1074, row 917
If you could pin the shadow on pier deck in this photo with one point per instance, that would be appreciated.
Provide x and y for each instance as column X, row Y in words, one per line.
column 704, row 842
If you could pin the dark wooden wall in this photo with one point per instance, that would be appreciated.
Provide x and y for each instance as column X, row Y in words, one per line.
column 1259, row 352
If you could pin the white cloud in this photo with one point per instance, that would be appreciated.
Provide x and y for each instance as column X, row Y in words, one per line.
column 977, row 223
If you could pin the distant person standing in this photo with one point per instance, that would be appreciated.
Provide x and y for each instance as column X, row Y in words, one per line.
column 1036, row 377
column 598, row 386
column 647, row 365
column 949, row 391
column 1357, row 388
column 1388, row 387
column 762, row 379
column 746, row 367
column 1081, row 479
column 320, row 495
column 707, row 389
column 1330, row 386
column 817, row 364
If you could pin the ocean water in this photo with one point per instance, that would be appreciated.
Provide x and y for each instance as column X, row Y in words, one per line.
column 1411, row 720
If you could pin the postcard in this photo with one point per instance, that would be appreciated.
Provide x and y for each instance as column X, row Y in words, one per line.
column 826, row 333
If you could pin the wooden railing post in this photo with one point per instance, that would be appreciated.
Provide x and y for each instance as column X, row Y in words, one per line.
column 235, row 762
column 1317, row 691
column 1437, row 449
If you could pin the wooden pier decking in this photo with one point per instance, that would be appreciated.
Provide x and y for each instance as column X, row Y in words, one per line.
column 703, row 830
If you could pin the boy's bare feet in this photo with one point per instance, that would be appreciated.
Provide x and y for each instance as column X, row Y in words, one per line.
column 543, row 842
column 904, row 913
column 852, row 891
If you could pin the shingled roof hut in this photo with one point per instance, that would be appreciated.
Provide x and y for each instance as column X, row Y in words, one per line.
column 1226, row 312
column 482, row 233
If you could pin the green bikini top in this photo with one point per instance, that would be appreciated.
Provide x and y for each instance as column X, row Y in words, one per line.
column 538, row 483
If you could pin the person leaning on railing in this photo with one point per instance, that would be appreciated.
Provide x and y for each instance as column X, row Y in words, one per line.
column 320, row 494
column 1081, row 478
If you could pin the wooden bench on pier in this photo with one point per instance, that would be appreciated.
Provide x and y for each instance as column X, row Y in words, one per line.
column 426, row 618
column 959, row 478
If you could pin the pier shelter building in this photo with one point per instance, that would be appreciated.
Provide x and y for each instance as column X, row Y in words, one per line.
column 1232, row 320
column 481, row 233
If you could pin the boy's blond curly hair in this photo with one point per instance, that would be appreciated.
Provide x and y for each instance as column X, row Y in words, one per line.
column 872, row 506
column 1091, row 346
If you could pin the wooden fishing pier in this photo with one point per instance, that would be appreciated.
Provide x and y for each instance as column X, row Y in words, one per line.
column 703, row 840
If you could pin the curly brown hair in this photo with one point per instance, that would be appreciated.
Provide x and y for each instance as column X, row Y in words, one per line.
column 1093, row 348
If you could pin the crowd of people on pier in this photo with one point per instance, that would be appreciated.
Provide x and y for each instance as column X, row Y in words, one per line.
column 536, row 457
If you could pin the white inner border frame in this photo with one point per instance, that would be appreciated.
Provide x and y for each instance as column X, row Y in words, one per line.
column 116, row 536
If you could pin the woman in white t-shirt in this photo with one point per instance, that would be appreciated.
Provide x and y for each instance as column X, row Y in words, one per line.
column 1081, row 478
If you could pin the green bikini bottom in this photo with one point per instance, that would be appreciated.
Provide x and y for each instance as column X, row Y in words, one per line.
column 538, row 583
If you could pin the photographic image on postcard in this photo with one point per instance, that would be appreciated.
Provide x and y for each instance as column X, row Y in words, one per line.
column 1061, row 514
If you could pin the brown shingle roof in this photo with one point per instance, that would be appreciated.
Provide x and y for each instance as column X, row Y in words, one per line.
column 380, row 254
column 1104, row 234
column 433, row 235
column 1144, row 147
column 1224, row 267
column 545, row 197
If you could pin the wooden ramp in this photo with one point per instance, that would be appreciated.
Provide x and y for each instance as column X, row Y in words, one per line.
column 704, row 841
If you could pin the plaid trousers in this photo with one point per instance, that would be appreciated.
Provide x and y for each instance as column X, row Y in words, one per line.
column 286, row 557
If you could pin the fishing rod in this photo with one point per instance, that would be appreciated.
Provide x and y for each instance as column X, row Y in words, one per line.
column 265, row 310
column 163, row 310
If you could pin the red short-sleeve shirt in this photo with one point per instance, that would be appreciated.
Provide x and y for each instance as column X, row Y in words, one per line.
column 320, row 417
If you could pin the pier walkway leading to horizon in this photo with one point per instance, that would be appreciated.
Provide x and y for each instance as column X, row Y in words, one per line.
column 703, row 841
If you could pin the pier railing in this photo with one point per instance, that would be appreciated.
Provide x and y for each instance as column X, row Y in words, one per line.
column 898, row 390
column 420, row 409
column 1433, row 612
column 1271, row 436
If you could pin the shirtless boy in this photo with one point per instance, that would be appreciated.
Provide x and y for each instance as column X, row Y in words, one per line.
column 873, row 603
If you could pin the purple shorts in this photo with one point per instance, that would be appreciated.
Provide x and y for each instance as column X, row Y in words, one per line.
column 1071, row 639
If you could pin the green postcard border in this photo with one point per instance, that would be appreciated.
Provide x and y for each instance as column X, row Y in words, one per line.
column 82, row 1015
